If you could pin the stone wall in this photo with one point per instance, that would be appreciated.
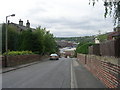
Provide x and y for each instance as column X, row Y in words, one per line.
column 20, row 59
column 107, row 69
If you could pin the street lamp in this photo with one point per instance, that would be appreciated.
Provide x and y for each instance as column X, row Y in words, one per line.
column 6, row 43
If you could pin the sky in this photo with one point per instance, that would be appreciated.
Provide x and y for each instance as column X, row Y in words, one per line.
column 64, row 18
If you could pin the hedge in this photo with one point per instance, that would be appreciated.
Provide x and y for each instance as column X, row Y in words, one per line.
column 12, row 53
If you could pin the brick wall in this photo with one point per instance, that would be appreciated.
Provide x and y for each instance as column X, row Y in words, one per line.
column 20, row 59
column 108, row 71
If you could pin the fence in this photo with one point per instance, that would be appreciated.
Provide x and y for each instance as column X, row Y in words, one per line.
column 108, row 48
column 107, row 71
column 94, row 49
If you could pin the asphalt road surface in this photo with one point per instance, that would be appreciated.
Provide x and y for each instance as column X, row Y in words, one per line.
column 62, row 73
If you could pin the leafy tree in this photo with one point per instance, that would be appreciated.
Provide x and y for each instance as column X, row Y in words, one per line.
column 0, row 39
column 3, row 38
column 49, row 42
column 13, row 37
column 83, row 48
column 38, row 45
column 26, row 40
column 39, row 41
column 110, row 6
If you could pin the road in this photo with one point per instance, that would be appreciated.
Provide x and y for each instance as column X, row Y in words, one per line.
column 62, row 73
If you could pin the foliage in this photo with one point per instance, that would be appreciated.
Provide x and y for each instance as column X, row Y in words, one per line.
column 13, row 37
column 102, row 37
column 77, row 39
column 3, row 37
column 111, row 7
column 39, row 41
column 49, row 46
column 12, row 53
column 26, row 40
column 83, row 48
column 0, row 39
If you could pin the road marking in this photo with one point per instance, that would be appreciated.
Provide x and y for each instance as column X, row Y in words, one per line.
column 72, row 84
column 75, row 63
column 73, row 79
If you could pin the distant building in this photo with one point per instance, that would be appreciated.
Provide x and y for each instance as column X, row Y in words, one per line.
column 62, row 44
column 67, row 52
column 97, row 41
column 115, row 34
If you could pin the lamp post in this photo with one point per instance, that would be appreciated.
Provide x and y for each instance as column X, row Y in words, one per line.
column 6, row 41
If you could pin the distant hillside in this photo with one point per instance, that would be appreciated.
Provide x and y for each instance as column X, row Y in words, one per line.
column 101, row 37
column 77, row 39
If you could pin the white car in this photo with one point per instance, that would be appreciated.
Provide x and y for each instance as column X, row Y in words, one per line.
column 54, row 57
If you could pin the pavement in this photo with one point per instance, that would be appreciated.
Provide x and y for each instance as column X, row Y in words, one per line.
column 8, row 69
column 84, row 78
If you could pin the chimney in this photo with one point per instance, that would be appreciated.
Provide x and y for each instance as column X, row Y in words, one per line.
column 20, row 22
column 28, row 24
column 8, row 22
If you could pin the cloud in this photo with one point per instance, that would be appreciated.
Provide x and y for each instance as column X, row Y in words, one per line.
column 61, row 17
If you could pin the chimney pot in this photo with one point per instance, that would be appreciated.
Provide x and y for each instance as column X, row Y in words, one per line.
column 28, row 24
column 20, row 22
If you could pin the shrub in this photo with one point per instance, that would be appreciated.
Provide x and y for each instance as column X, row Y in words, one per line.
column 12, row 53
column 84, row 48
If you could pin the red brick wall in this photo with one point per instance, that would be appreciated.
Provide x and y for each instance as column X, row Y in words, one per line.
column 20, row 59
column 107, row 72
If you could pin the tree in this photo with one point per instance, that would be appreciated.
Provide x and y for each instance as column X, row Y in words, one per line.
column 39, row 41
column 111, row 6
column 3, row 38
column 83, row 48
column 26, row 40
column 49, row 42
column 13, row 37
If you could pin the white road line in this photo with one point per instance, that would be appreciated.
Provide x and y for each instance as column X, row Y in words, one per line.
column 72, row 84
column 73, row 78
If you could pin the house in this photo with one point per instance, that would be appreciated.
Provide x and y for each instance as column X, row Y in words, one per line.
column 67, row 52
column 20, row 27
column 115, row 34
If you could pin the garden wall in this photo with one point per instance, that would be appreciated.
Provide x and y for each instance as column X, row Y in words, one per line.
column 20, row 59
column 107, row 69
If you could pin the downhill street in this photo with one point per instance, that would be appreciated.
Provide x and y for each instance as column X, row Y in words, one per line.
column 62, row 73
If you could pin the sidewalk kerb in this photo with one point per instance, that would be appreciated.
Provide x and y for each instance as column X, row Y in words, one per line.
column 21, row 66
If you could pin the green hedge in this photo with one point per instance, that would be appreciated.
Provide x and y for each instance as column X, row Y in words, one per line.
column 12, row 53
column 83, row 48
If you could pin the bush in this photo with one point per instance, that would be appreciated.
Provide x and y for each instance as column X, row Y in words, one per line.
column 12, row 53
column 83, row 48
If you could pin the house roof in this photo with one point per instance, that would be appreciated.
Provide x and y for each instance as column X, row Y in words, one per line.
column 20, row 27
column 116, row 35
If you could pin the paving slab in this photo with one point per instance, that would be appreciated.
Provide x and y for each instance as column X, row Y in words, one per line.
column 84, row 78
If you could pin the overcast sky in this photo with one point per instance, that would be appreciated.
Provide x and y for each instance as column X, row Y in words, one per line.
column 64, row 18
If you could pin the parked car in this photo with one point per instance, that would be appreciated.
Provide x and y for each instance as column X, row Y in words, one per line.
column 54, row 57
